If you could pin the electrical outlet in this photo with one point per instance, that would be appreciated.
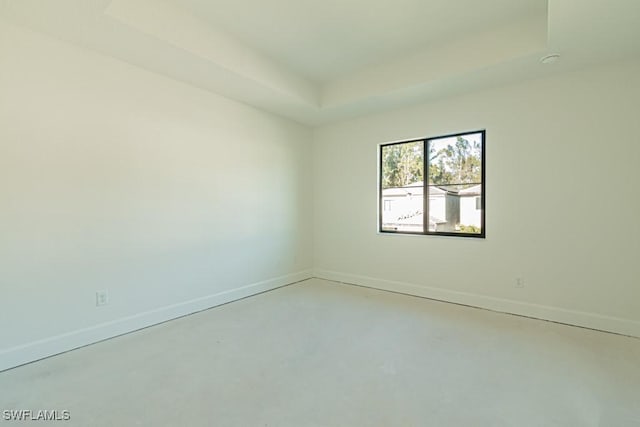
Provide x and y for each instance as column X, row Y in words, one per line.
column 519, row 282
column 102, row 298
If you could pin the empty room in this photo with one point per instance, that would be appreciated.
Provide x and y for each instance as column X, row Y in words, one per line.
column 320, row 213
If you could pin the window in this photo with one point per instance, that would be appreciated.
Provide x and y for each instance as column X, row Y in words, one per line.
column 440, row 192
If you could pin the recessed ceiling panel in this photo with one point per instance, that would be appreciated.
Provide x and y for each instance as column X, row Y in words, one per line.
column 326, row 39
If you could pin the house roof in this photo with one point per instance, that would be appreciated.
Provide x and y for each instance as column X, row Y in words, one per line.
column 476, row 190
column 417, row 189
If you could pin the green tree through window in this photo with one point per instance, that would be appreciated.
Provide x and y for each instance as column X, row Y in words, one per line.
column 402, row 164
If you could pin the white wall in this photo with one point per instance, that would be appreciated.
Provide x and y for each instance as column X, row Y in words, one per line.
column 555, row 146
column 170, row 197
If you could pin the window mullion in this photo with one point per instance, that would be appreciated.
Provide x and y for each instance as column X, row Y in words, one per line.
column 425, row 193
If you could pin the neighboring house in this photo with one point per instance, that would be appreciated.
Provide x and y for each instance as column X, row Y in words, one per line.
column 471, row 205
column 403, row 207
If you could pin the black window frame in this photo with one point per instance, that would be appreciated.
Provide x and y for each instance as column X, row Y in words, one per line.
column 425, row 164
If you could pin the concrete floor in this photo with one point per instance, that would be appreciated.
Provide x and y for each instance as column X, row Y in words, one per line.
column 319, row 353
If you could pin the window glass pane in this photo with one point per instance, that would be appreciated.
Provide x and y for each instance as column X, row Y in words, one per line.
column 402, row 185
column 455, row 160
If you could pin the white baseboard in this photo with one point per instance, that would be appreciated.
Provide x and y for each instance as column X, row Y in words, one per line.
column 554, row 314
column 40, row 349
